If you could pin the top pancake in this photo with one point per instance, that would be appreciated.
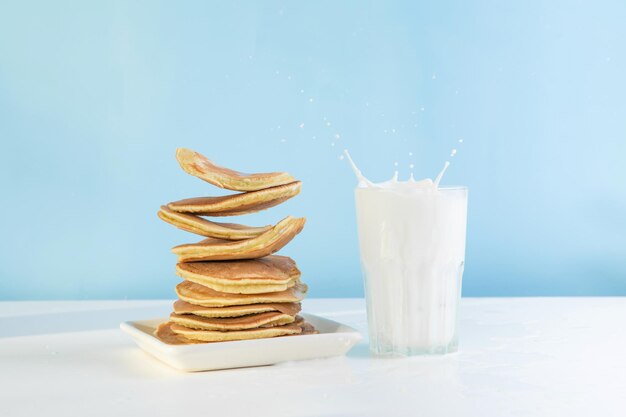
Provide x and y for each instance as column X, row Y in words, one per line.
column 199, row 166
column 237, row 204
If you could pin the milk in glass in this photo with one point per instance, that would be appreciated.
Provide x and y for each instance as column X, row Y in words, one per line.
column 412, row 244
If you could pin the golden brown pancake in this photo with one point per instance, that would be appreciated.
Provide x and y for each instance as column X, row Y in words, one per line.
column 203, row 227
column 253, row 276
column 204, row 296
column 252, row 321
column 263, row 245
column 165, row 334
column 217, row 336
column 307, row 328
column 183, row 307
column 237, row 204
column 199, row 166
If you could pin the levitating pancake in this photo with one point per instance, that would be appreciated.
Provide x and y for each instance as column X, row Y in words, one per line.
column 263, row 245
column 251, row 276
column 183, row 307
column 204, row 296
column 199, row 166
column 203, row 227
column 218, row 336
column 165, row 334
column 270, row 319
column 237, row 204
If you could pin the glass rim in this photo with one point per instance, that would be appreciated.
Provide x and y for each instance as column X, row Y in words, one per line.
column 453, row 187
column 441, row 188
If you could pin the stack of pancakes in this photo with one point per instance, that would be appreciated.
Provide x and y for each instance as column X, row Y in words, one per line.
column 234, row 288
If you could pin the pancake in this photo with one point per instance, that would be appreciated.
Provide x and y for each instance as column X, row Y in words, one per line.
column 252, row 321
column 199, row 166
column 217, row 336
column 237, row 204
column 268, row 274
column 183, row 307
column 262, row 245
column 165, row 334
column 307, row 328
column 203, row 227
column 206, row 297
column 248, row 289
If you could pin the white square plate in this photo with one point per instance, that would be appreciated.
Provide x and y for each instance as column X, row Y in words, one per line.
column 333, row 339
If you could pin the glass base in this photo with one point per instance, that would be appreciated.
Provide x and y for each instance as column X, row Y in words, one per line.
column 397, row 351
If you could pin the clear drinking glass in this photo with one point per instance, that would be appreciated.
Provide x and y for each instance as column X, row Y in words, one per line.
column 412, row 244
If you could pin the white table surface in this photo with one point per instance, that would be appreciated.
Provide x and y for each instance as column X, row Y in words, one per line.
column 518, row 357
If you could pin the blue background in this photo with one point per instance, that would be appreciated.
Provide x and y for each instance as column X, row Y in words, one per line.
column 96, row 96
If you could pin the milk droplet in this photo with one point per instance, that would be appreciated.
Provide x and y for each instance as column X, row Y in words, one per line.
column 460, row 140
column 278, row 127
column 289, row 77
column 311, row 100
column 277, row 72
column 410, row 153
column 337, row 136
column 301, row 125
column 395, row 164
column 327, row 123
column 314, row 137
column 434, row 77
column 249, row 56
column 283, row 140
column 393, row 130
column 412, row 166
column 341, row 157
column 332, row 144
column 453, row 152
column 422, row 108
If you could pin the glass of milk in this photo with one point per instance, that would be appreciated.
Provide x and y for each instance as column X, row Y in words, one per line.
column 412, row 243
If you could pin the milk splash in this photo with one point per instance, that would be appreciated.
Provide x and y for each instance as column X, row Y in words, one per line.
column 426, row 184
